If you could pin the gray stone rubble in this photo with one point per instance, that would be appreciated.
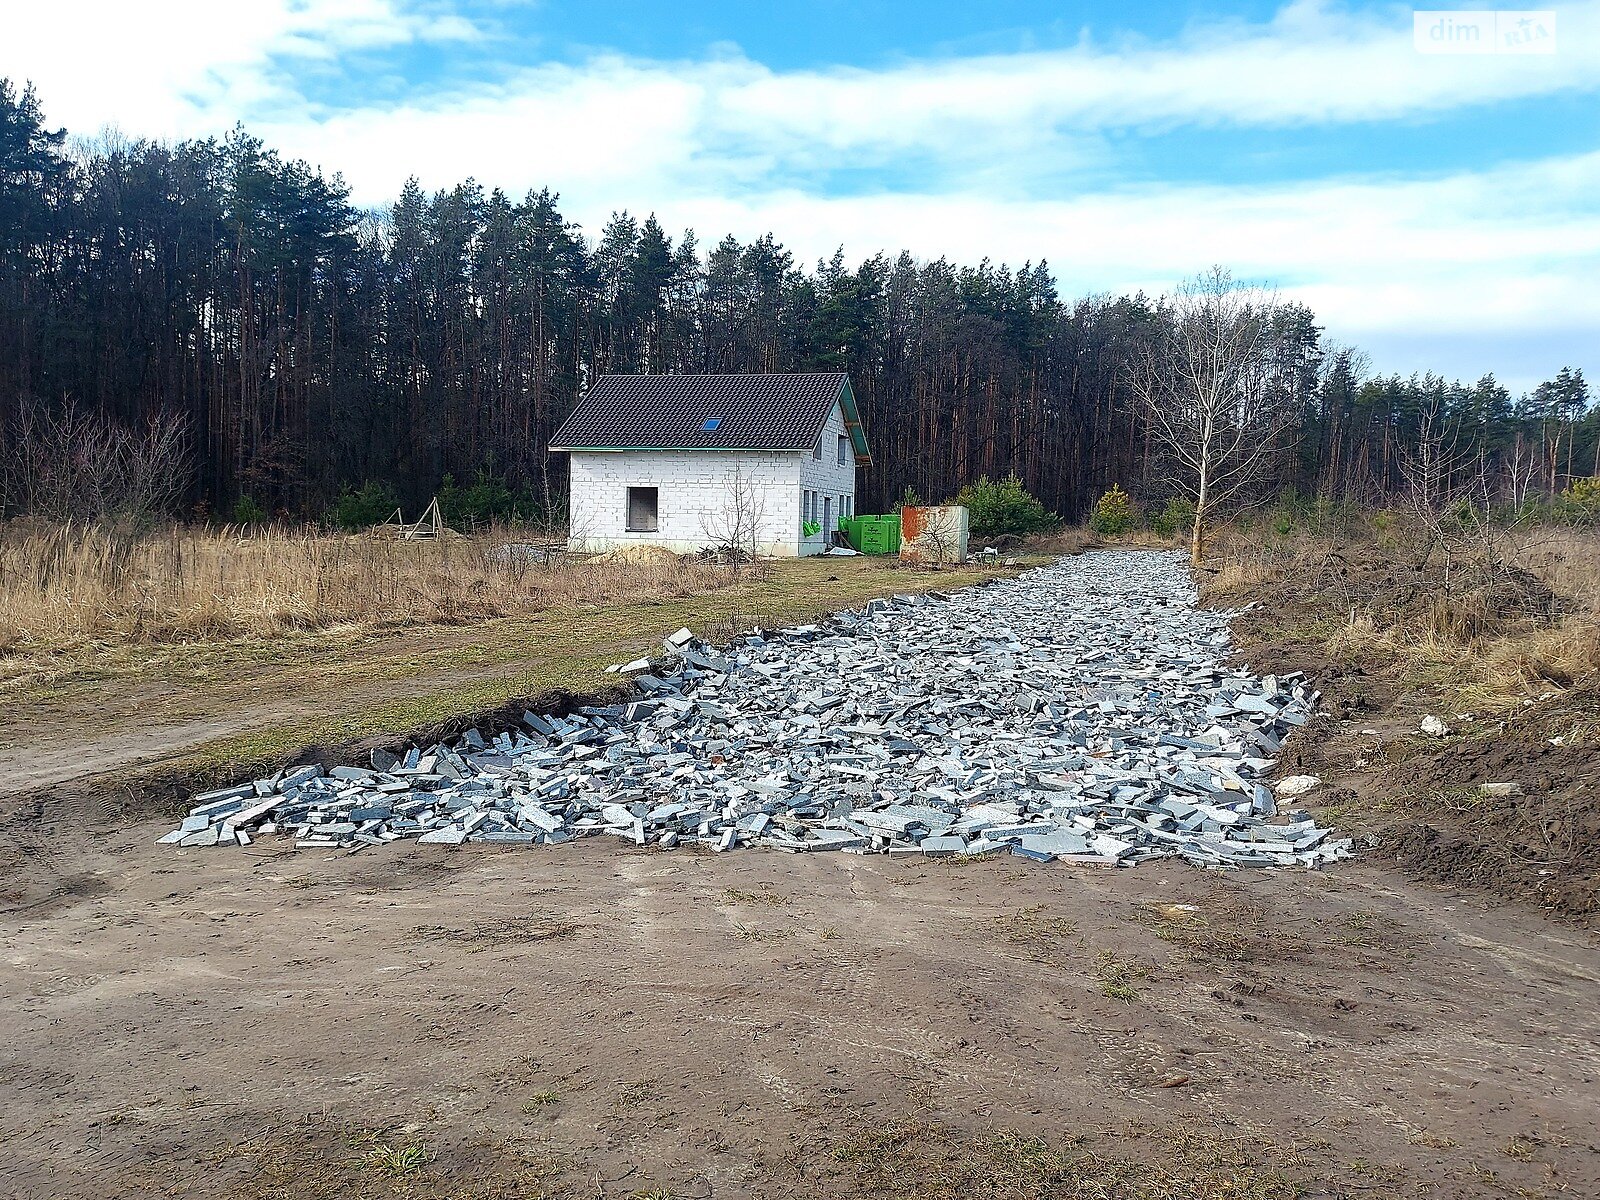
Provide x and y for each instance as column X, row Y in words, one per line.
column 1080, row 712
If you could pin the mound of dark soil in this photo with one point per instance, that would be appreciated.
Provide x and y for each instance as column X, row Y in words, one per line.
column 1540, row 844
column 1452, row 601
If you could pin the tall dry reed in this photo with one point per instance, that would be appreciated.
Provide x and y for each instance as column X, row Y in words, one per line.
column 66, row 585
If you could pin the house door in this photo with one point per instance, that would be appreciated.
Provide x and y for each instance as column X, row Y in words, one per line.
column 827, row 520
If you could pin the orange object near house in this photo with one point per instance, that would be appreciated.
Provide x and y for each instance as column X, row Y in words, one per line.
column 934, row 533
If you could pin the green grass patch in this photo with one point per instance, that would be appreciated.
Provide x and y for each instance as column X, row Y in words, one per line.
column 1117, row 977
column 354, row 685
column 540, row 1101
column 403, row 1158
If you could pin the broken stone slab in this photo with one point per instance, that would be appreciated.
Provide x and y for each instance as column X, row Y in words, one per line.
column 1500, row 789
column 450, row 835
column 208, row 802
column 1085, row 714
column 1296, row 785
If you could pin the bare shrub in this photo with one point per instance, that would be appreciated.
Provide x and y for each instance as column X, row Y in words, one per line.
column 1447, row 499
column 734, row 530
column 938, row 541
column 68, row 464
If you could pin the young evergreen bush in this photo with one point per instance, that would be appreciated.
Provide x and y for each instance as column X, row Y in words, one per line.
column 1579, row 501
column 247, row 512
column 487, row 498
column 1175, row 518
column 996, row 506
column 1114, row 513
column 373, row 503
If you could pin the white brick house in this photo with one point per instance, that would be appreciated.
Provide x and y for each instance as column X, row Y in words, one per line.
column 686, row 461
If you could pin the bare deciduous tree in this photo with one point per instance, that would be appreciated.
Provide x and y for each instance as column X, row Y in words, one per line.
column 1208, row 385
column 735, row 530
column 580, row 532
column 1447, row 497
column 938, row 541
column 1521, row 468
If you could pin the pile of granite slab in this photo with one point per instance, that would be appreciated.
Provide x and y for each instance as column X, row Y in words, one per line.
column 1082, row 712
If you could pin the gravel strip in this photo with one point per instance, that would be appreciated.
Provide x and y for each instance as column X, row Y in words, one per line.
column 1081, row 712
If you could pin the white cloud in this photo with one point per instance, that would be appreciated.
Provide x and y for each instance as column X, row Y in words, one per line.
column 1308, row 65
column 608, row 126
column 174, row 68
column 1013, row 122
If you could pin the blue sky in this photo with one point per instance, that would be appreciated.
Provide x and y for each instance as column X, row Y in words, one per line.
column 1440, row 211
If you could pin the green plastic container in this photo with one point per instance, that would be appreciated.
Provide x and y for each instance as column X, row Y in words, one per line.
column 881, row 535
column 872, row 534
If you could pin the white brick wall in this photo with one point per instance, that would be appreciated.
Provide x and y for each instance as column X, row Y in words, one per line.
column 694, row 495
column 830, row 481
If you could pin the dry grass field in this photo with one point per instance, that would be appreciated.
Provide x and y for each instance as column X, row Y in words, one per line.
column 188, row 655
column 62, row 586
column 1502, row 639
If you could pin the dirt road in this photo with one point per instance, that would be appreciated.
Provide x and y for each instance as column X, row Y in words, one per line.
column 607, row 1022
column 592, row 1020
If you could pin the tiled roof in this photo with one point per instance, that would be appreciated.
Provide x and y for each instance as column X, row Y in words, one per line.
column 744, row 412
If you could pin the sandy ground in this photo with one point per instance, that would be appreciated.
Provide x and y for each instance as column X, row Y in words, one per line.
column 595, row 1020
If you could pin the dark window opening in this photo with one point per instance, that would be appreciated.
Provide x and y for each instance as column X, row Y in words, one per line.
column 844, row 444
column 642, row 507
